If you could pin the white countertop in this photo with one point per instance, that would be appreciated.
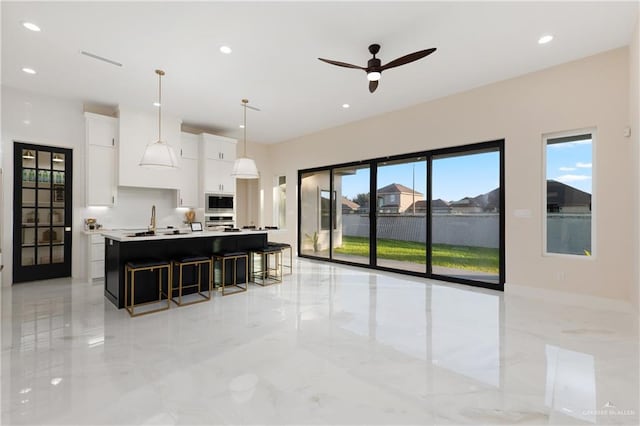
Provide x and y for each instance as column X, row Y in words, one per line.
column 165, row 234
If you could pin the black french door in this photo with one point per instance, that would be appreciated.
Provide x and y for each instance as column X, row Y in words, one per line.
column 42, row 212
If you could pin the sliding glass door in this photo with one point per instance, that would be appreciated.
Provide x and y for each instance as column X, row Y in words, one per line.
column 435, row 214
column 465, row 215
column 351, row 234
column 401, row 226
column 315, row 213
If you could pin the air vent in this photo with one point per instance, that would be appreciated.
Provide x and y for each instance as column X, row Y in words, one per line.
column 100, row 58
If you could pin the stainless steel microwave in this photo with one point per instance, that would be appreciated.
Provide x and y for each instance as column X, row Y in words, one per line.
column 218, row 203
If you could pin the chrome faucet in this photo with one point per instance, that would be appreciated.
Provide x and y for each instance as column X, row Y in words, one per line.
column 152, row 226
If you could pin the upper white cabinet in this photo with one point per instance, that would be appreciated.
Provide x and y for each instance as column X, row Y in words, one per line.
column 219, row 147
column 217, row 154
column 187, row 193
column 101, row 135
column 137, row 129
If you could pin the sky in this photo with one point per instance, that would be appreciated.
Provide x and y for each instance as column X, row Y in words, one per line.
column 453, row 178
column 475, row 174
column 571, row 163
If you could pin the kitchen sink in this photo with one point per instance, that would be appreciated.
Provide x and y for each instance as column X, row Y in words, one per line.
column 142, row 234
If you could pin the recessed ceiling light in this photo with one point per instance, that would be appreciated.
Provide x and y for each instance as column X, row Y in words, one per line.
column 545, row 39
column 156, row 104
column 225, row 49
column 31, row 26
column 29, row 70
column 345, row 106
column 242, row 126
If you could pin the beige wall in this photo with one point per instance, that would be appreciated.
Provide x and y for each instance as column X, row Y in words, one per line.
column 634, row 121
column 588, row 93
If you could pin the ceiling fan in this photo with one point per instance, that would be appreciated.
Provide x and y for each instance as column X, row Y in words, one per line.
column 374, row 67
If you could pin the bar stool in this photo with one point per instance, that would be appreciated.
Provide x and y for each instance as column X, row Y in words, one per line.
column 131, row 268
column 283, row 247
column 225, row 258
column 266, row 275
column 196, row 263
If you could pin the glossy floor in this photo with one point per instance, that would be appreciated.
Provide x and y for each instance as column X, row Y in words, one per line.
column 332, row 344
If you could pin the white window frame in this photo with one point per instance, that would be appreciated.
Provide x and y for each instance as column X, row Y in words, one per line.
column 555, row 135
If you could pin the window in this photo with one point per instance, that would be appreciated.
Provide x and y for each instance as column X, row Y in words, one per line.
column 280, row 202
column 568, row 195
column 325, row 209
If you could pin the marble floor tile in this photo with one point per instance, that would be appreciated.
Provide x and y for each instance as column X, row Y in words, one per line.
column 330, row 345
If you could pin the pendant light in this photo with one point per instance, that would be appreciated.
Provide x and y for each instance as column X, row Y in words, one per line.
column 159, row 154
column 244, row 167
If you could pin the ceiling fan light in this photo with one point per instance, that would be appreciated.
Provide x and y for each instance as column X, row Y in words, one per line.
column 159, row 154
column 245, row 168
column 373, row 76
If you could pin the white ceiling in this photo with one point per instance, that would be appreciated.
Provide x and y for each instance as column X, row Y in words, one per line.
column 275, row 46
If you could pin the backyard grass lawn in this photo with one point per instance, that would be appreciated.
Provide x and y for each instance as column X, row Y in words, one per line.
column 459, row 257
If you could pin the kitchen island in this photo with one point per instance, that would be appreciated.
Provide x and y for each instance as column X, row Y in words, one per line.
column 123, row 246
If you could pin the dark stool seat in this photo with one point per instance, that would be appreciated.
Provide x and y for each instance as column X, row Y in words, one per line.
column 193, row 259
column 283, row 247
column 226, row 257
column 263, row 274
column 195, row 262
column 151, row 265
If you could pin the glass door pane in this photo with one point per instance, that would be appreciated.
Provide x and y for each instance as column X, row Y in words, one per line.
column 465, row 219
column 351, row 233
column 401, row 225
column 315, row 213
column 42, row 212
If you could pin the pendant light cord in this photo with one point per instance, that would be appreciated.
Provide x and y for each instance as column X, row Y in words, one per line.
column 160, row 106
column 160, row 74
column 244, row 104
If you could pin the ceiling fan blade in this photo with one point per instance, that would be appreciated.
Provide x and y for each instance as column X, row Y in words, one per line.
column 341, row 64
column 408, row 58
column 251, row 107
column 373, row 85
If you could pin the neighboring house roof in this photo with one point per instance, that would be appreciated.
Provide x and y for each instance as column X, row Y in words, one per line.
column 438, row 203
column 465, row 202
column 565, row 195
column 489, row 201
column 435, row 204
column 396, row 188
column 350, row 204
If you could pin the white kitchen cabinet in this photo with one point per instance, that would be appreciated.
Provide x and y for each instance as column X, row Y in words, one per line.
column 187, row 193
column 219, row 147
column 218, row 178
column 95, row 256
column 137, row 129
column 101, row 133
column 217, row 155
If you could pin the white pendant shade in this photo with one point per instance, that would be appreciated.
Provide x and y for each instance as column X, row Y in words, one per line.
column 159, row 155
column 245, row 168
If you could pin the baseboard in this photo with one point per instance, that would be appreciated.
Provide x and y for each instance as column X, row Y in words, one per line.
column 571, row 299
